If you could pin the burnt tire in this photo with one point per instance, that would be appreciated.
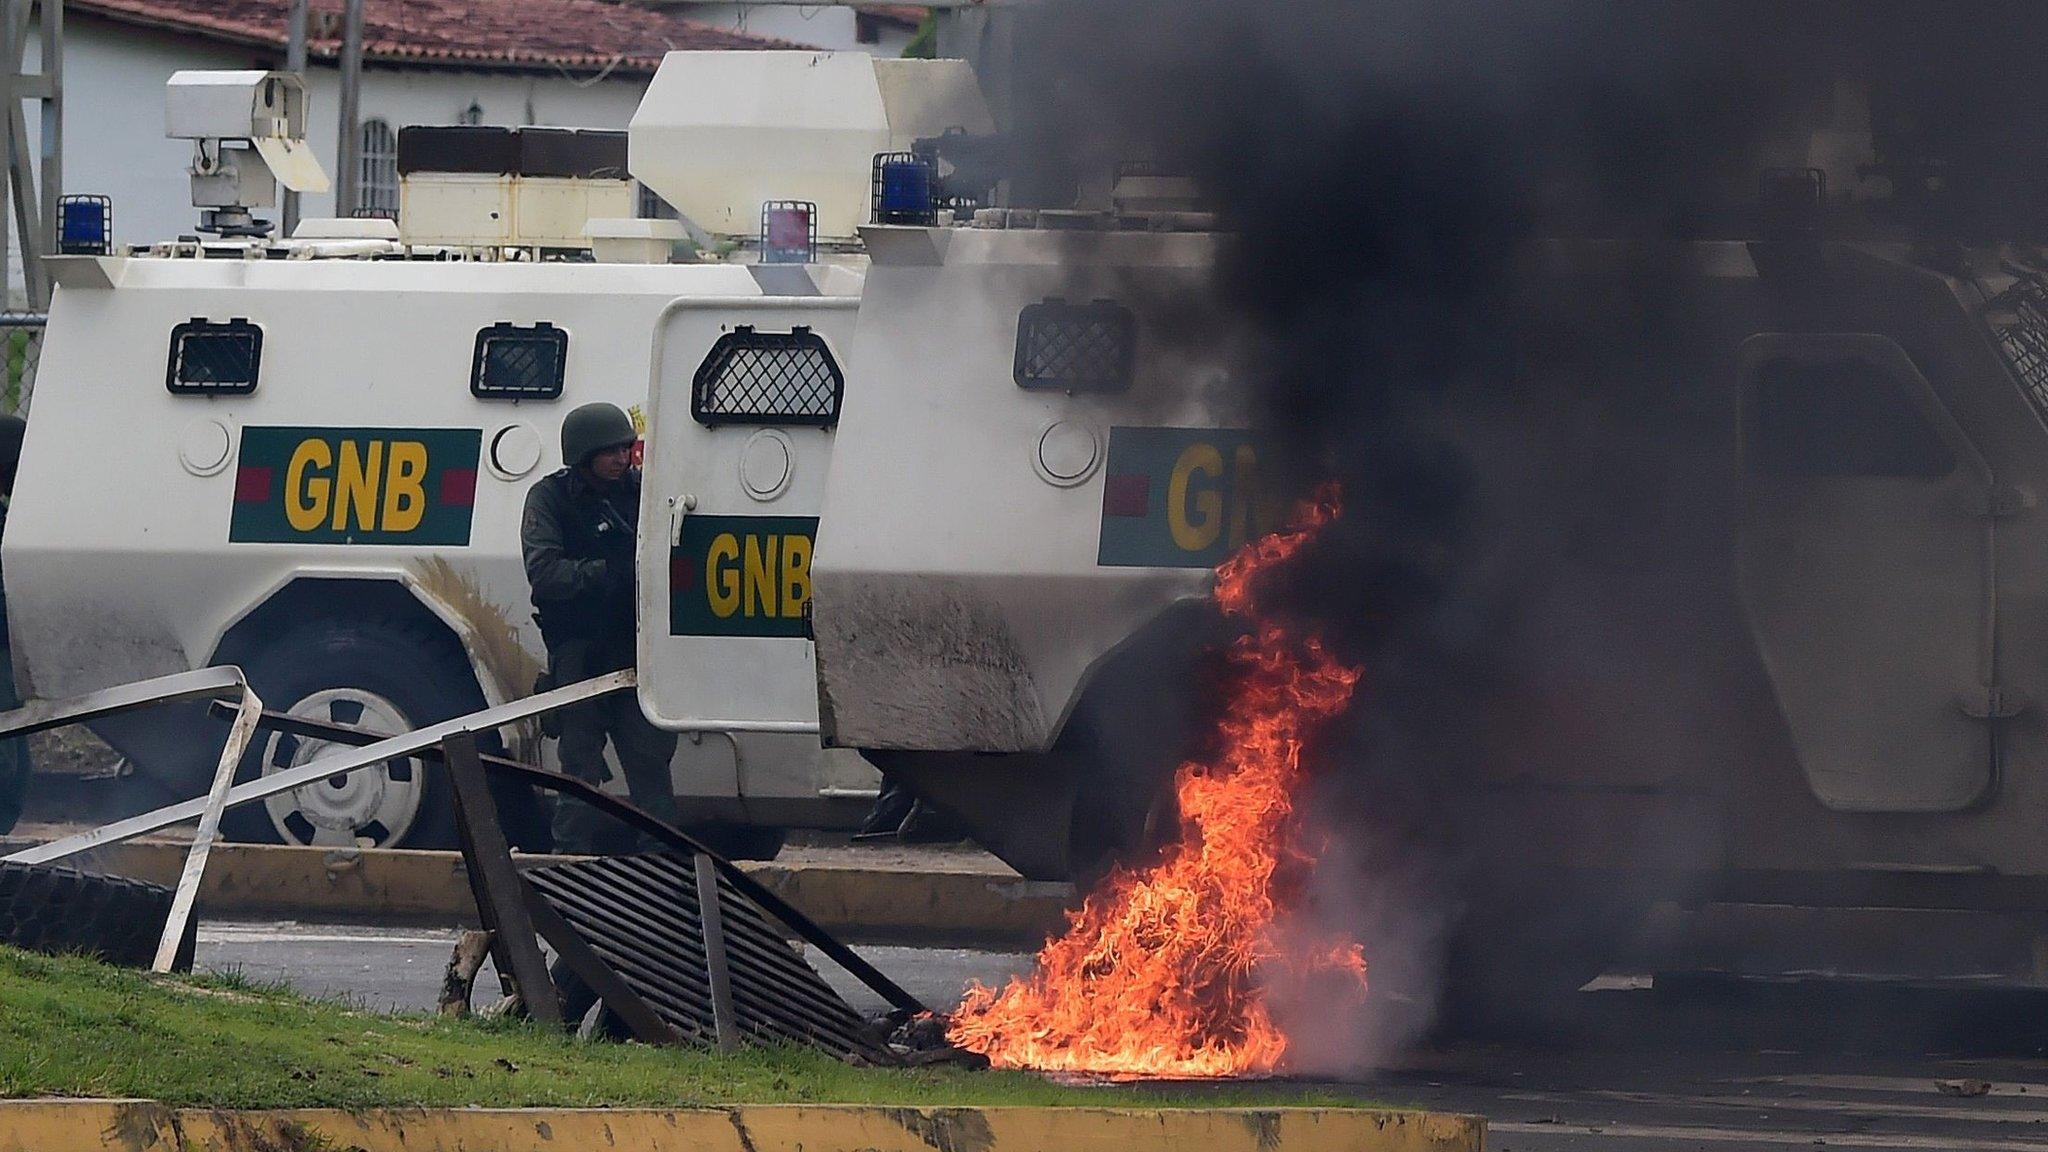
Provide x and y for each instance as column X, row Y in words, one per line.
column 61, row 910
column 366, row 673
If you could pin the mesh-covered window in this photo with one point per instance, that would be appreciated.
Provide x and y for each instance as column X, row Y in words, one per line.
column 2019, row 316
column 1841, row 418
column 1076, row 347
column 514, row 363
column 752, row 377
column 210, row 358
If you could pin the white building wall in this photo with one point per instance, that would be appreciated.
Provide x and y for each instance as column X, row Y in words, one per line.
column 821, row 26
column 114, row 141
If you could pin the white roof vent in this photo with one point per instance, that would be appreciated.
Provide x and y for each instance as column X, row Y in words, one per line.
column 719, row 134
column 346, row 228
column 633, row 241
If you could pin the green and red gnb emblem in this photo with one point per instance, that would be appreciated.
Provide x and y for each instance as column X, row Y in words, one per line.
column 355, row 485
column 741, row 576
column 1181, row 497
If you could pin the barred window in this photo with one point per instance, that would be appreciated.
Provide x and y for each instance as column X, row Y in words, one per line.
column 1076, row 347
column 209, row 358
column 379, row 181
column 514, row 363
column 752, row 377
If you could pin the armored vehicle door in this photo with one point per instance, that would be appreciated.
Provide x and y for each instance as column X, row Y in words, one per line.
column 1864, row 564
column 744, row 400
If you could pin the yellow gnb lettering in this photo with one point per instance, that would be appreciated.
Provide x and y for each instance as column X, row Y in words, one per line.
column 761, row 575
column 405, row 485
column 355, row 485
column 305, row 496
column 722, row 575
column 1195, row 523
column 796, row 575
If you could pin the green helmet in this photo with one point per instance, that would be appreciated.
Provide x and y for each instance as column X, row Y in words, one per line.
column 594, row 426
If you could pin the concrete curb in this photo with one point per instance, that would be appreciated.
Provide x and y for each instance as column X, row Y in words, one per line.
column 388, row 885
column 140, row 1125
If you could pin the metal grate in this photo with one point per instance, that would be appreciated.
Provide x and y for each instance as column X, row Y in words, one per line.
column 641, row 915
column 209, row 358
column 752, row 377
column 513, row 363
column 1075, row 347
column 2019, row 318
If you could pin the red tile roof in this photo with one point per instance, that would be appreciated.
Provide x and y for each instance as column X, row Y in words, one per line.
column 586, row 35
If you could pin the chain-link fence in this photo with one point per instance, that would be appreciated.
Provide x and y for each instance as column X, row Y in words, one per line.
column 21, row 337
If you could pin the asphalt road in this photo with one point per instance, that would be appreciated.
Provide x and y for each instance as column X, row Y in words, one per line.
column 391, row 969
column 1717, row 1065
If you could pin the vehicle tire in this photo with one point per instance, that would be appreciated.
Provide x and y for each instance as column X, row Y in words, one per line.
column 741, row 841
column 376, row 674
column 1519, row 956
column 61, row 910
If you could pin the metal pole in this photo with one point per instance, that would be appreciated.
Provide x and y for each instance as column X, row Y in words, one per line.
column 725, row 1022
column 495, row 881
column 52, row 65
column 246, row 714
column 10, row 97
column 348, row 157
column 295, row 63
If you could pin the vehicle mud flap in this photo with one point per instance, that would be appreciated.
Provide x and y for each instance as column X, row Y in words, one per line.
column 62, row 910
column 1020, row 807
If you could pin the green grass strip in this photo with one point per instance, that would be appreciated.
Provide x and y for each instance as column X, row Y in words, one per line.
column 72, row 1027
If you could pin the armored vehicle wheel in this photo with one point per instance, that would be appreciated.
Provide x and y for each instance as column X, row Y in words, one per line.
column 1521, row 953
column 118, row 920
column 371, row 674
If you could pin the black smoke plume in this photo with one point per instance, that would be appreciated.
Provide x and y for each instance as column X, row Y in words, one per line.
column 1533, row 566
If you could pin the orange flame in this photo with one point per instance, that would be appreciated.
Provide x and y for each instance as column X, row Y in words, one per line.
column 1160, row 971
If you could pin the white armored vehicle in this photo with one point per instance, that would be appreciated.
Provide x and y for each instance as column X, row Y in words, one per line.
column 1828, row 583
column 308, row 456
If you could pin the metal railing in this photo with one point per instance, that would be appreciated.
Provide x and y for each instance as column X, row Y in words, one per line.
column 21, row 339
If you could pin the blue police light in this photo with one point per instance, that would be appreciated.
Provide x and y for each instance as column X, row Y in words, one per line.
column 905, row 189
column 85, row 226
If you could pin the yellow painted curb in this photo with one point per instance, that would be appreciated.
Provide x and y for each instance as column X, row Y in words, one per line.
column 391, row 884
column 144, row 1126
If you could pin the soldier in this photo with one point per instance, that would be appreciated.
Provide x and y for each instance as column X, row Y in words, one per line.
column 14, row 762
column 578, row 535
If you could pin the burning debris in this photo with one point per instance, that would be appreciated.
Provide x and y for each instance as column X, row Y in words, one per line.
column 1163, row 970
